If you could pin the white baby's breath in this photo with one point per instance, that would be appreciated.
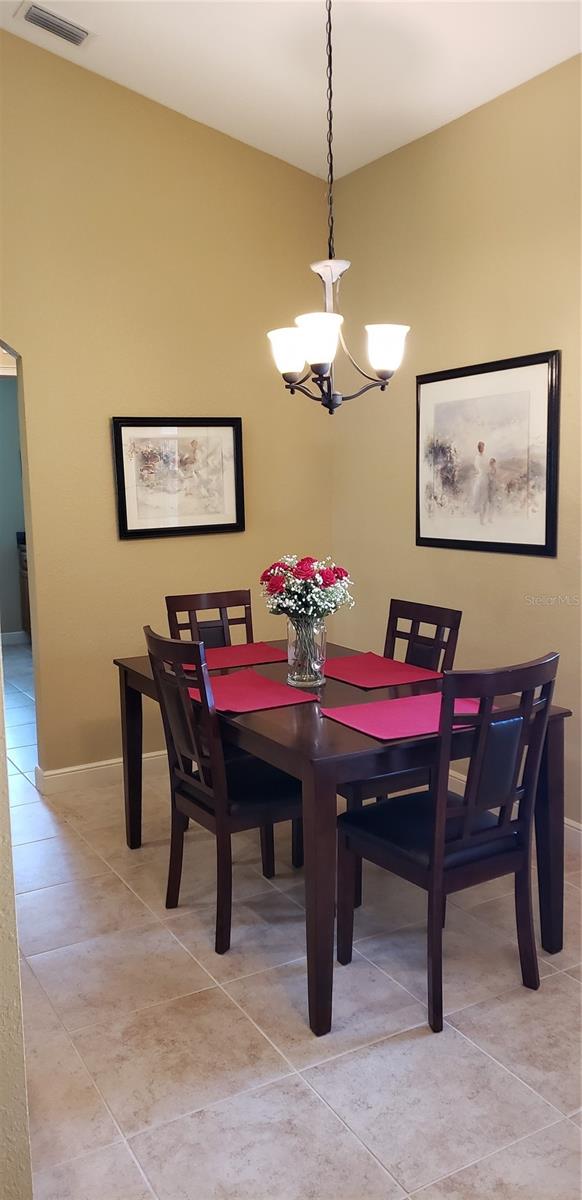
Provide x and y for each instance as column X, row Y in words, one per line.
column 305, row 598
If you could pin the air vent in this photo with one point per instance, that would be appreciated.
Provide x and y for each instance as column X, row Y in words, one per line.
column 54, row 24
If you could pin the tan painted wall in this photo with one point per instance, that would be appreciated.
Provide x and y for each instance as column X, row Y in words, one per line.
column 146, row 251
column 15, row 1174
column 472, row 236
column 145, row 257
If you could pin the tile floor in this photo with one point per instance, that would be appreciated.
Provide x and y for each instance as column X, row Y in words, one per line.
column 20, row 710
column 159, row 1070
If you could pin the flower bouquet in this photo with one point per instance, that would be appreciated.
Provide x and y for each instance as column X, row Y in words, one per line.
column 306, row 591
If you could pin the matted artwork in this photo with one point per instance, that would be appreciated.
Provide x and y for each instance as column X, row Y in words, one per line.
column 487, row 456
column 178, row 476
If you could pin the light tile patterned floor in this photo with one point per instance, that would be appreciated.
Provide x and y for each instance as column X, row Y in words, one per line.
column 157, row 1069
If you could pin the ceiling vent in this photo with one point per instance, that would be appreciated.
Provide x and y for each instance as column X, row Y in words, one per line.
column 44, row 19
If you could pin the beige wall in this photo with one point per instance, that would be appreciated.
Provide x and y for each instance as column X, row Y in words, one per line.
column 147, row 254
column 145, row 257
column 15, row 1174
column 472, row 236
column 11, row 507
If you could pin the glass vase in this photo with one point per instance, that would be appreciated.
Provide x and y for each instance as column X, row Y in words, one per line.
column 306, row 651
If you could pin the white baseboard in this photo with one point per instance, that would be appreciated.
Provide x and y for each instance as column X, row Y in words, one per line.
column 18, row 638
column 109, row 770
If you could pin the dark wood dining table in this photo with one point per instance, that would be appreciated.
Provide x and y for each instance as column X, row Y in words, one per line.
column 323, row 754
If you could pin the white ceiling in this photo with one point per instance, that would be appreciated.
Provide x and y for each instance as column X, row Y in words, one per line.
column 255, row 68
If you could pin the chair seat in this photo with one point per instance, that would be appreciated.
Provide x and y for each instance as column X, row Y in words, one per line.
column 253, row 783
column 406, row 824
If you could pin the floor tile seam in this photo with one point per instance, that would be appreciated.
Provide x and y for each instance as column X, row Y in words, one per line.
column 417, row 1192
column 559, row 1114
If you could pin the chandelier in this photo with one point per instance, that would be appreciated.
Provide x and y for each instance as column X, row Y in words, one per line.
column 315, row 337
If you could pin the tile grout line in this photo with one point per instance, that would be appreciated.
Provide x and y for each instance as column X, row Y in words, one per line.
column 477, row 1161
column 508, row 1071
column 122, row 1138
column 294, row 1071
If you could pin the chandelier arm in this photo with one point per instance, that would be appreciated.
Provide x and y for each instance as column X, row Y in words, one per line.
column 298, row 387
column 376, row 383
column 353, row 361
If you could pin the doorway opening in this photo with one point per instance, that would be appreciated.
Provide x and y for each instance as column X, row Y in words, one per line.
column 17, row 649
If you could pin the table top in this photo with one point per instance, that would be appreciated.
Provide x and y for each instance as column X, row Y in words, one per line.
column 300, row 734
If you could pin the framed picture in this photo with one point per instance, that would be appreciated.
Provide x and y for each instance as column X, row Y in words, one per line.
column 487, row 456
column 180, row 475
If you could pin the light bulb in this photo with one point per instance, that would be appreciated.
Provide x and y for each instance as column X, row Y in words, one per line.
column 320, row 331
column 386, row 347
column 288, row 350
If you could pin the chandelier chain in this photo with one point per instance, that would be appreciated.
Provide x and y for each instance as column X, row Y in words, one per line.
column 330, row 218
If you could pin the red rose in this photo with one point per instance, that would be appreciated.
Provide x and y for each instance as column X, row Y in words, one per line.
column 276, row 566
column 276, row 584
column 328, row 578
column 304, row 569
column 341, row 573
column 307, row 559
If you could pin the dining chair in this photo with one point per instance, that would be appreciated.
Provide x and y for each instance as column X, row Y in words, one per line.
column 183, row 616
column 434, row 650
column 445, row 842
column 223, row 796
column 430, row 635
column 184, row 620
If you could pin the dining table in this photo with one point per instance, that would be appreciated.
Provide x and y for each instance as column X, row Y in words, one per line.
column 323, row 754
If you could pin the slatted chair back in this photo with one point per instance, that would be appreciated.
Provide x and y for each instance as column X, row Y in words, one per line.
column 192, row 730
column 434, row 650
column 505, row 754
column 183, row 616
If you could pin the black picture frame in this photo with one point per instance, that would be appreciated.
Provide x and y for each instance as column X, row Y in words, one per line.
column 127, row 526
column 547, row 548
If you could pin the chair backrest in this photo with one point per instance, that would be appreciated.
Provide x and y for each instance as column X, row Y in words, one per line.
column 214, row 631
column 434, row 650
column 192, row 730
column 505, row 753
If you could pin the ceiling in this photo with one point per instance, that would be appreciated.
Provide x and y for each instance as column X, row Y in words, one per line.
column 255, row 69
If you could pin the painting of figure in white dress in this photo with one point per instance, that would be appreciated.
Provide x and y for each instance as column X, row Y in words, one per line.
column 486, row 459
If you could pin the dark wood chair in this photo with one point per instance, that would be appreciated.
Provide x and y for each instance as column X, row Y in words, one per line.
column 184, row 620
column 434, row 649
column 183, row 616
column 445, row 842
column 224, row 796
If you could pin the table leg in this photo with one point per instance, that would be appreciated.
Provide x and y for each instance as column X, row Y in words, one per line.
column 549, row 821
column 319, row 837
column 131, row 741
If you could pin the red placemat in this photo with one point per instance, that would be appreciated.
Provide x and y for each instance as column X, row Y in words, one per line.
column 389, row 720
column 247, row 691
column 248, row 655
column 374, row 671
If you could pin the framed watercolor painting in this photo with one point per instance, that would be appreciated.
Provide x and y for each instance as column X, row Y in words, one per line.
column 487, row 456
column 180, row 475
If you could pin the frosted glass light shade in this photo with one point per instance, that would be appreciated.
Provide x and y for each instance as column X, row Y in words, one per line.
column 320, row 332
column 386, row 346
column 288, row 350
